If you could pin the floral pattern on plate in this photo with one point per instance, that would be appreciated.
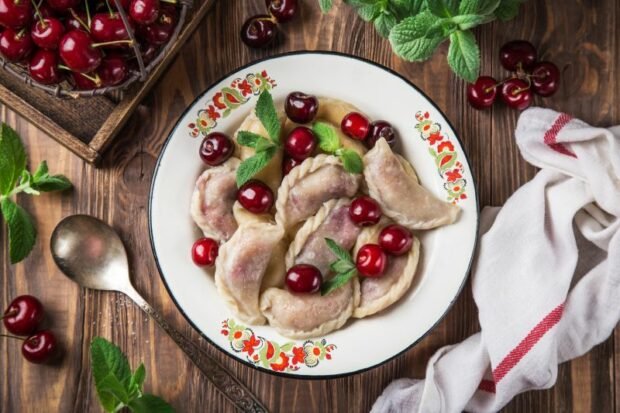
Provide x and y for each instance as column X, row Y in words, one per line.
column 289, row 356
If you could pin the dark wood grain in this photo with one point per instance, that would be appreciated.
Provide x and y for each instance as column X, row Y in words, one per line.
column 580, row 36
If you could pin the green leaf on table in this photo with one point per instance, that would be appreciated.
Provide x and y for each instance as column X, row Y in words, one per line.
column 268, row 116
column 254, row 165
column 464, row 55
column 480, row 7
column 442, row 8
column 111, row 386
column 12, row 158
column 137, row 380
column 338, row 251
column 405, row 8
column 147, row 403
column 507, row 9
column 22, row 232
column 327, row 136
column 108, row 360
column 384, row 23
column 338, row 281
column 409, row 37
column 351, row 161
column 41, row 171
column 368, row 10
column 325, row 5
column 469, row 21
column 44, row 182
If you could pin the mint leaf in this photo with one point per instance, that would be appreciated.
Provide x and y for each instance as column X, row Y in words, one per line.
column 325, row 5
column 249, row 139
column 368, row 10
column 338, row 281
column 464, row 55
column 253, row 165
column 148, row 403
column 408, row 38
column 112, row 387
column 338, row 251
column 327, row 136
column 12, row 158
column 404, row 8
column 51, row 183
column 384, row 23
column 350, row 160
column 508, row 9
column 266, row 113
column 137, row 380
column 22, row 232
column 41, row 171
column 469, row 21
column 341, row 266
column 480, row 7
column 442, row 8
column 108, row 360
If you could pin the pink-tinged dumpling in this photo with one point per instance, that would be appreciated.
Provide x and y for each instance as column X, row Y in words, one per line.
column 396, row 188
column 378, row 293
column 309, row 185
column 241, row 266
column 213, row 199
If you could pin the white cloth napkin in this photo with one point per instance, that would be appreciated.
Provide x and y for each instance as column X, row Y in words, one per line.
column 547, row 277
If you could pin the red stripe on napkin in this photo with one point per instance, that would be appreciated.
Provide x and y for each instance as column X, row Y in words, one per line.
column 487, row 386
column 552, row 134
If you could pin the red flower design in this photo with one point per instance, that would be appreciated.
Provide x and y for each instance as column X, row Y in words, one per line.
column 212, row 112
column 264, row 74
column 298, row 355
column 249, row 344
column 217, row 101
column 282, row 365
column 444, row 145
column 224, row 332
column 434, row 138
column 245, row 88
column 453, row 175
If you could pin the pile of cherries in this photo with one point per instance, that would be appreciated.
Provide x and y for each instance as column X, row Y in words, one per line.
column 23, row 317
column 262, row 30
column 371, row 259
column 83, row 41
column 528, row 76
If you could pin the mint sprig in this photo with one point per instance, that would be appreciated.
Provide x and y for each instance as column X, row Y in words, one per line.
column 330, row 143
column 343, row 267
column 15, row 179
column 265, row 147
column 416, row 27
column 117, row 387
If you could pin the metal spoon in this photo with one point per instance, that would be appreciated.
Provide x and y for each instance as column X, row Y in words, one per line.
column 90, row 252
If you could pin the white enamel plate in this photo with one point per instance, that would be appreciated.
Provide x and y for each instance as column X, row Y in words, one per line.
column 426, row 139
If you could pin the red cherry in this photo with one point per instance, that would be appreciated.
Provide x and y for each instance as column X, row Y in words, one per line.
column 259, row 31
column 255, row 196
column 77, row 20
column 355, row 125
column 15, row 46
column 78, row 53
column 47, row 33
column 125, row 4
column 482, row 94
column 23, row 315
column 149, row 52
column 40, row 347
column 113, row 70
column 517, row 53
column 63, row 5
column 516, row 93
column 304, row 278
column 45, row 10
column 300, row 143
column 15, row 13
column 216, row 148
column 109, row 27
column 204, row 252
column 282, row 10
column 43, row 67
column 380, row 129
column 395, row 239
column 289, row 163
column 160, row 31
column 371, row 260
column 83, row 81
column 144, row 11
column 365, row 211
column 301, row 108
column 545, row 78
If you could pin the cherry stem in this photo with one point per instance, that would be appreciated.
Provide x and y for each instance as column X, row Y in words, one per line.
column 76, row 17
column 103, row 44
column 95, row 79
column 87, row 12
column 490, row 88
column 169, row 1
column 14, row 337
column 37, row 13
column 21, row 33
column 107, row 3
column 9, row 314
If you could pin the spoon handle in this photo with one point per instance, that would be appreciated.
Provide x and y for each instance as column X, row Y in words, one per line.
column 230, row 387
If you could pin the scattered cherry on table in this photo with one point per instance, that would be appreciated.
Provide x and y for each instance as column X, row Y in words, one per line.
column 282, row 10
column 259, row 31
column 482, row 93
column 395, row 239
column 205, row 251
column 255, row 196
column 304, row 278
column 23, row 315
column 300, row 107
column 364, row 211
column 40, row 347
column 545, row 78
column 516, row 94
column 355, row 125
column 300, row 143
column 216, row 148
column 371, row 260
column 517, row 54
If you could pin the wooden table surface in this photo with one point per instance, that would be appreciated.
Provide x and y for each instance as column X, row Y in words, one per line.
column 581, row 36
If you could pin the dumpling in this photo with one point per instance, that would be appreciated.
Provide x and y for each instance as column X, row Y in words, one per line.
column 399, row 194
column 241, row 266
column 302, row 316
column 213, row 199
column 378, row 293
column 309, row 185
column 271, row 174
column 331, row 221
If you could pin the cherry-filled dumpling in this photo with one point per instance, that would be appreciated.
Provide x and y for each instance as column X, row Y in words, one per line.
column 242, row 265
column 396, row 188
column 213, row 199
column 309, row 185
column 378, row 293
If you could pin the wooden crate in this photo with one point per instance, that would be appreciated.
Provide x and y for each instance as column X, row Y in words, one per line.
column 64, row 119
